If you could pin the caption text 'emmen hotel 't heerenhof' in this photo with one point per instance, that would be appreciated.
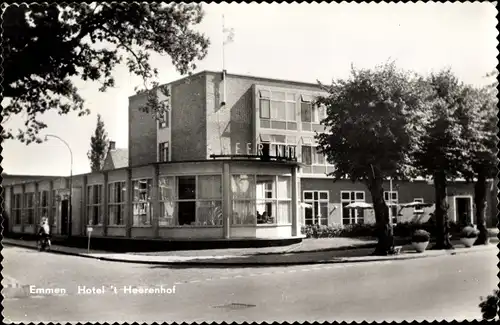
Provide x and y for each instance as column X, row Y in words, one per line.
column 171, row 187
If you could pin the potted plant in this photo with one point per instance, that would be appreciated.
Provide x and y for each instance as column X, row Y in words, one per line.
column 468, row 236
column 420, row 240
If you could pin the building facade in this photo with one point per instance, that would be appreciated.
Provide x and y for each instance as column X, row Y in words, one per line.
column 173, row 185
column 262, row 115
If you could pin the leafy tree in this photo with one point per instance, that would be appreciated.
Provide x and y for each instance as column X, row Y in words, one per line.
column 372, row 121
column 489, row 305
column 444, row 146
column 45, row 46
column 98, row 146
column 482, row 128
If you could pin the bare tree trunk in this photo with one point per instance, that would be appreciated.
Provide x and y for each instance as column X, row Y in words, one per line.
column 385, row 234
column 442, row 221
column 480, row 201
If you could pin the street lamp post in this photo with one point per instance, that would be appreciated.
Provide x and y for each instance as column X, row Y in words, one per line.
column 70, row 182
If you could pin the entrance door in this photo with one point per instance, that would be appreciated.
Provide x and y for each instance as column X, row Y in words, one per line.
column 64, row 217
column 463, row 211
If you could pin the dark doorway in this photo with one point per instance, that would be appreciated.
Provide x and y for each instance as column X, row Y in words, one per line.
column 463, row 210
column 187, row 213
column 186, row 190
column 64, row 217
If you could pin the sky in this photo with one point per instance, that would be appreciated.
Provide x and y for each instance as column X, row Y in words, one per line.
column 299, row 42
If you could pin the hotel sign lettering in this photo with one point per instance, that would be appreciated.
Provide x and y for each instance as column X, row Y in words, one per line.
column 263, row 150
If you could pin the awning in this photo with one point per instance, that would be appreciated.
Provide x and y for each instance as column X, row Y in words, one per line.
column 265, row 138
column 307, row 98
column 279, row 138
column 307, row 140
column 265, row 94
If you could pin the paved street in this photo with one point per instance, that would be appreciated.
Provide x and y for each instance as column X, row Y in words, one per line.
column 446, row 287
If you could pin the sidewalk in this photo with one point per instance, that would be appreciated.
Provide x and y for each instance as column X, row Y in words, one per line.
column 311, row 251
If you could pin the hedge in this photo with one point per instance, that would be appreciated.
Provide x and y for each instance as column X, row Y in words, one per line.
column 405, row 229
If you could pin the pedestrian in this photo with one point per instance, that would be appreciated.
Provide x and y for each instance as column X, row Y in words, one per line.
column 44, row 231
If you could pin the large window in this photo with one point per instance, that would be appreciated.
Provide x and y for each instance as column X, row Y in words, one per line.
column 141, row 202
column 54, row 208
column 163, row 153
column 17, row 209
column 244, row 205
column 352, row 216
column 209, row 201
column 117, row 198
column 95, row 204
column 29, row 208
column 261, row 199
column 278, row 105
column 43, row 204
column 278, row 109
column 190, row 200
column 317, row 210
column 391, row 199
column 167, row 201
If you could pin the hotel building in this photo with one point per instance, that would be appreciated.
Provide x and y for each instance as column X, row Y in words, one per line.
column 195, row 174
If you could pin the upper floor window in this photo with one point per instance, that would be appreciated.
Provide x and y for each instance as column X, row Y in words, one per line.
column 163, row 153
column 265, row 104
column 310, row 154
column 163, row 120
column 277, row 105
column 311, row 113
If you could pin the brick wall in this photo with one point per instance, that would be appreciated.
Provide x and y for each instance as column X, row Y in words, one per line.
column 235, row 123
column 407, row 192
column 188, row 122
column 142, row 133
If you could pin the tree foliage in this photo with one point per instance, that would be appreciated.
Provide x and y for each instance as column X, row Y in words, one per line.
column 444, row 148
column 489, row 306
column 98, row 146
column 45, row 46
column 482, row 128
column 372, row 121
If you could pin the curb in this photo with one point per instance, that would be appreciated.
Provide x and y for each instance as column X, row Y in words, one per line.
column 265, row 264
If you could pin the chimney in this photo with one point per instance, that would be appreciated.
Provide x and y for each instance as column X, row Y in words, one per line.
column 112, row 145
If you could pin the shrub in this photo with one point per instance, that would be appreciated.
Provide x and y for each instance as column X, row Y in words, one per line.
column 420, row 236
column 489, row 305
column 321, row 231
column 335, row 230
column 406, row 229
column 469, row 232
column 359, row 230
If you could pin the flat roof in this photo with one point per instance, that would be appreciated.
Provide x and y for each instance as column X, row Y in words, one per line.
column 256, row 78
